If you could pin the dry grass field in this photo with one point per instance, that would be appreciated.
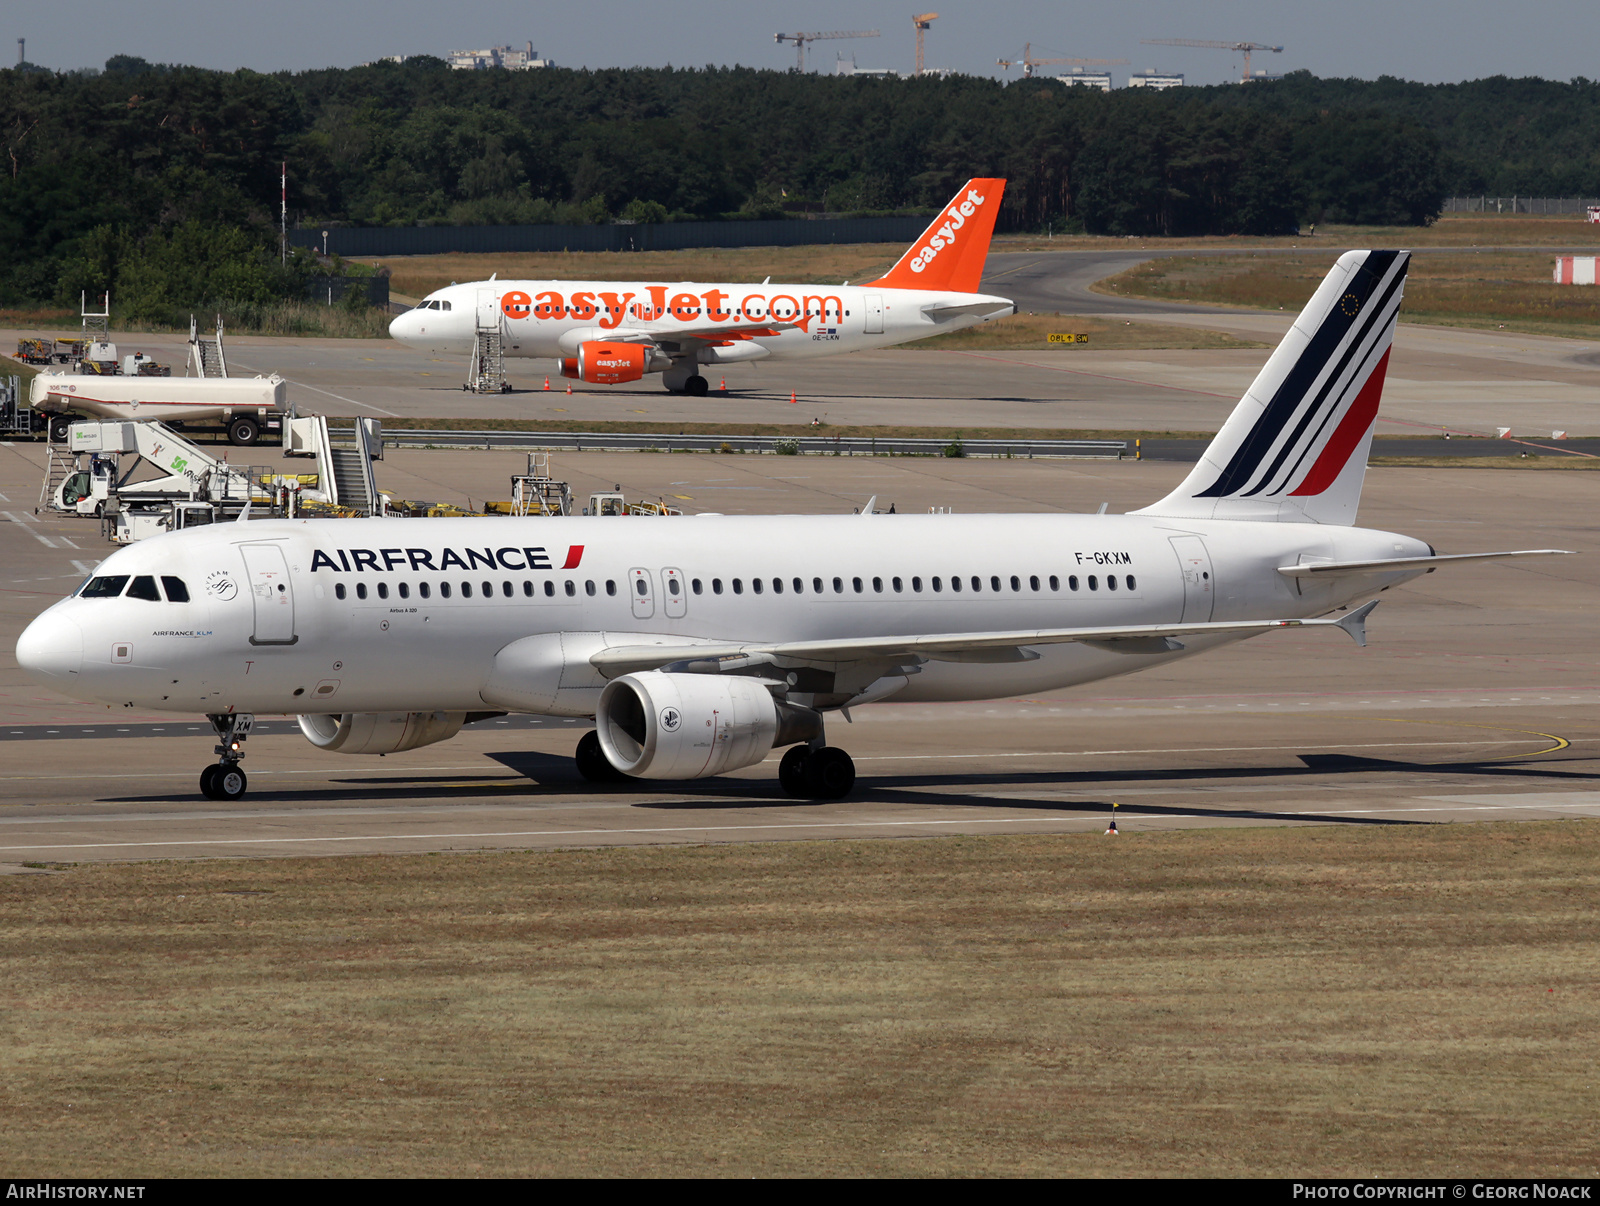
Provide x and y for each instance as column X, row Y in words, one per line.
column 1490, row 289
column 1451, row 230
column 1351, row 1000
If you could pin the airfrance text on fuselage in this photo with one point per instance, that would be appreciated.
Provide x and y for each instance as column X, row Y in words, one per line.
column 509, row 557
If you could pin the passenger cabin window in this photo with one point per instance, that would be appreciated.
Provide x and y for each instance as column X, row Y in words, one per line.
column 361, row 590
column 338, row 590
column 383, row 590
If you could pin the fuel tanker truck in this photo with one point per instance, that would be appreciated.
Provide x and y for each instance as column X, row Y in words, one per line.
column 243, row 405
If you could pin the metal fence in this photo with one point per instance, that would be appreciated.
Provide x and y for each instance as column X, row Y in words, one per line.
column 641, row 236
column 1518, row 205
column 330, row 290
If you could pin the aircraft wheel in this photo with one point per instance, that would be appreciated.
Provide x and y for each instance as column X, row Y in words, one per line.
column 208, row 782
column 592, row 762
column 830, row 774
column 697, row 385
column 792, row 770
column 229, row 783
column 243, row 432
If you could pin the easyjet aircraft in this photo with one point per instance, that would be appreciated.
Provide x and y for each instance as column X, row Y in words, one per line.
column 701, row 644
column 607, row 333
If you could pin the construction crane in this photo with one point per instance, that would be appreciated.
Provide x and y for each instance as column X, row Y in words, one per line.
column 800, row 40
column 1245, row 47
column 921, row 23
column 1028, row 62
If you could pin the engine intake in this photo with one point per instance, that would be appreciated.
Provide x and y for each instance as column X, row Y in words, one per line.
column 655, row 725
column 602, row 362
column 380, row 732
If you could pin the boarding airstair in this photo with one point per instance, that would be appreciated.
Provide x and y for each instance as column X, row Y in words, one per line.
column 487, row 372
column 344, row 472
column 206, row 357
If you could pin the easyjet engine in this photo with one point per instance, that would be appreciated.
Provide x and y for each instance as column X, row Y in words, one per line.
column 658, row 725
column 608, row 362
column 380, row 732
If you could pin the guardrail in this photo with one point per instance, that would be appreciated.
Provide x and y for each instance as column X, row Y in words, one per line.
column 806, row 445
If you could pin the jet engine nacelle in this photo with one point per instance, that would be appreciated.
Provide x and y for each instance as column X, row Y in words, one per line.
column 657, row 725
column 380, row 732
column 601, row 362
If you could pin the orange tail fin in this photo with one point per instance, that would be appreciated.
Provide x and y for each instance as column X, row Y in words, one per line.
column 950, row 253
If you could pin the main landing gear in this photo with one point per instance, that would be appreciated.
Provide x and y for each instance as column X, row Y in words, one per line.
column 822, row 773
column 683, row 377
column 592, row 762
column 224, row 780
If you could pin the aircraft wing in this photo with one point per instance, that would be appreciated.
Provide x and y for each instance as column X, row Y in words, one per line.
column 953, row 647
column 1333, row 569
column 711, row 333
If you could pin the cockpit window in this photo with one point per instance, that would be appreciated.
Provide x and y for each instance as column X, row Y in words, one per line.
column 177, row 592
column 144, row 587
column 433, row 303
column 108, row 586
column 443, row 305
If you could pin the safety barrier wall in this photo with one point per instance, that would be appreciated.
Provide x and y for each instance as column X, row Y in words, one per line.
column 642, row 236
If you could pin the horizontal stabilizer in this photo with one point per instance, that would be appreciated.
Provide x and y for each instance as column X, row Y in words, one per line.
column 1334, row 569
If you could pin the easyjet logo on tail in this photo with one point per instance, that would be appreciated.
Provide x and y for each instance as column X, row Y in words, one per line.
column 950, row 254
column 945, row 236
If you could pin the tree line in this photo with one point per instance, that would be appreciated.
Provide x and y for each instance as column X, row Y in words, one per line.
column 162, row 182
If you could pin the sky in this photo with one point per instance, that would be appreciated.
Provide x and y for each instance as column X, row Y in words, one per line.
column 1430, row 41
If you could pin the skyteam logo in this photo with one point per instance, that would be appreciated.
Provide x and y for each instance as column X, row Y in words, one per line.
column 671, row 718
column 945, row 236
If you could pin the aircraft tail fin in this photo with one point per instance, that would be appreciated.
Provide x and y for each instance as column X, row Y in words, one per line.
column 950, row 254
column 1295, row 448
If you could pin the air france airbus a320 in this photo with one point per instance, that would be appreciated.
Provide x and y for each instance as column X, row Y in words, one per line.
column 608, row 333
column 701, row 644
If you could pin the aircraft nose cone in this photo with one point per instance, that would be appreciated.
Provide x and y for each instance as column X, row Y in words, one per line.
column 50, row 650
column 405, row 326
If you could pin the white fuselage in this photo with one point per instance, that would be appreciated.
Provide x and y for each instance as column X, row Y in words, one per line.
column 551, row 318
column 390, row 615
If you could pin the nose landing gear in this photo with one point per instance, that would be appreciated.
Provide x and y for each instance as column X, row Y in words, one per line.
column 224, row 780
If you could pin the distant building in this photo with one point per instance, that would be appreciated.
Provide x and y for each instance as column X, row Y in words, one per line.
column 847, row 66
column 496, row 56
column 1260, row 77
column 1159, row 80
column 1079, row 78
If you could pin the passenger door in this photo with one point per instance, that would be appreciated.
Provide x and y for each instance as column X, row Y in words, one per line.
column 267, row 574
column 874, row 313
column 1199, row 591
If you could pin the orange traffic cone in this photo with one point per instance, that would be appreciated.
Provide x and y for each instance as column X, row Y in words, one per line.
column 569, row 387
column 792, row 397
column 547, row 383
column 724, row 385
